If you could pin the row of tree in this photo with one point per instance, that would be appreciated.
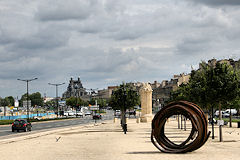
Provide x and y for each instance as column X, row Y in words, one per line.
column 7, row 101
column 76, row 102
column 212, row 87
column 37, row 100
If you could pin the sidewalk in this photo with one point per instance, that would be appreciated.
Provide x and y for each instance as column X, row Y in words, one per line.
column 106, row 141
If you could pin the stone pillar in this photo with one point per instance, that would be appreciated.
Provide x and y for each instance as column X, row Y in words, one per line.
column 146, row 103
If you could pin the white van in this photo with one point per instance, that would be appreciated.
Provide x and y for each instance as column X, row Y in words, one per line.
column 224, row 114
column 233, row 111
column 117, row 113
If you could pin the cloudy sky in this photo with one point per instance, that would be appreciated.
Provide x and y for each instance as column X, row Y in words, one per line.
column 106, row 42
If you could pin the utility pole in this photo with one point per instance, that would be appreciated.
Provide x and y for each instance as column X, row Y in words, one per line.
column 27, row 80
column 57, row 84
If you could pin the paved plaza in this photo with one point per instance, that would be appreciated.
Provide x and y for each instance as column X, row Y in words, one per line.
column 106, row 141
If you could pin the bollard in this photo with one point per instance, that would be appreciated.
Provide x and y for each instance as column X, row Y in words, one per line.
column 125, row 128
column 168, row 120
column 138, row 120
column 114, row 120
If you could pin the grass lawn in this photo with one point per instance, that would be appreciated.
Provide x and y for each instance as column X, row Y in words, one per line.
column 227, row 119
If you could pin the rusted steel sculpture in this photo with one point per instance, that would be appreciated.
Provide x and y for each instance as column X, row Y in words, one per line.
column 198, row 135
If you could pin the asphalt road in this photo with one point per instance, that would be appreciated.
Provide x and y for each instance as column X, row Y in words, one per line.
column 6, row 132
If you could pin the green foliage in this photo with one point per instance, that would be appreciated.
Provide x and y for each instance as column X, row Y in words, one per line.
column 5, row 122
column 101, row 102
column 36, row 99
column 222, row 83
column 124, row 97
column 50, row 103
column 92, row 101
column 5, row 102
column 210, row 86
column 75, row 102
column 10, row 100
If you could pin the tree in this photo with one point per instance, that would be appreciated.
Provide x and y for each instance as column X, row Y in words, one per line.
column 196, row 89
column 223, row 86
column 72, row 101
column 75, row 102
column 36, row 99
column 210, row 86
column 101, row 102
column 11, row 100
column 5, row 102
column 124, row 97
column 233, row 104
column 50, row 103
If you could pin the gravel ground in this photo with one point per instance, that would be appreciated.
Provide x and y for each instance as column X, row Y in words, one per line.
column 106, row 141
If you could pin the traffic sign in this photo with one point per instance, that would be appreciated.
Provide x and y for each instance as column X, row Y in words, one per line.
column 94, row 108
column 25, row 103
column 220, row 122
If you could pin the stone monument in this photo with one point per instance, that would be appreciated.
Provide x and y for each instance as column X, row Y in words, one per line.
column 146, row 102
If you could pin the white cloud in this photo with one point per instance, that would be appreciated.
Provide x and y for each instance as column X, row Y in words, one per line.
column 106, row 42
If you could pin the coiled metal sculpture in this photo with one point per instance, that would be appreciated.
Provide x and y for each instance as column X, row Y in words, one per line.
column 198, row 135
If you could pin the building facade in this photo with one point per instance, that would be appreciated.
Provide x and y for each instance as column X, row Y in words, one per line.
column 213, row 62
column 75, row 89
column 161, row 94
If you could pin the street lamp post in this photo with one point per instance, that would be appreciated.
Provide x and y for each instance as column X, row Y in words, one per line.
column 56, row 84
column 27, row 80
column 124, row 125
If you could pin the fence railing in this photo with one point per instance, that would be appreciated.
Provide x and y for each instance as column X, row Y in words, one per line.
column 24, row 116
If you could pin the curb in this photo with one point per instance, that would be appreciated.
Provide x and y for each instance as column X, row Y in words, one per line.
column 31, row 135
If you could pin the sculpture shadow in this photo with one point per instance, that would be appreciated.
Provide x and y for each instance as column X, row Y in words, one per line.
column 91, row 131
column 145, row 152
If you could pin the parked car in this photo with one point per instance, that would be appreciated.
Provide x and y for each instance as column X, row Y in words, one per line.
column 117, row 113
column 21, row 124
column 210, row 121
column 37, row 118
column 224, row 114
column 69, row 113
column 131, row 112
column 97, row 116
column 80, row 114
column 65, row 114
column 233, row 111
column 88, row 113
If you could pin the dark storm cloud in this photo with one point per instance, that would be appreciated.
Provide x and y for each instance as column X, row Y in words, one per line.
column 217, row 2
column 193, row 45
column 106, row 42
column 65, row 10
column 44, row 39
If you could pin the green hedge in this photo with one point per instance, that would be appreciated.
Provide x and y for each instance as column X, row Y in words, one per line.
column 6, row 122
column 227, row 120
